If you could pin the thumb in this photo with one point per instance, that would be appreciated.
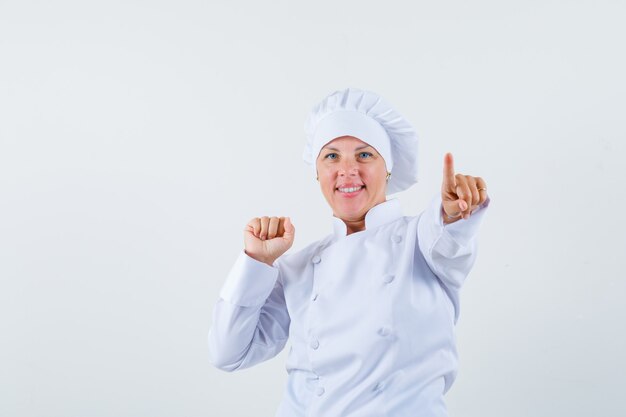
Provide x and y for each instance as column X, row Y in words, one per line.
column 455, row 207
column 290, row 230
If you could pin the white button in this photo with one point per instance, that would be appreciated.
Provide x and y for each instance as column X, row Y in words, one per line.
column 316, row 259
column 319, row 391
column 388, row 278
column 384, row 331
column 314, row 344
column 397, row 238
column 314, row 297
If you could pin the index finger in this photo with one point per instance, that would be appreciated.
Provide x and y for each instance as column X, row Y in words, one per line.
column 448, row 171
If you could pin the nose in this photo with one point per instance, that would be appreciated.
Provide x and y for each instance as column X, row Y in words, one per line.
column 348, row 168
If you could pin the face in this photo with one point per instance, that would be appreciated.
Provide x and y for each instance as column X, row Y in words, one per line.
column 347, row 162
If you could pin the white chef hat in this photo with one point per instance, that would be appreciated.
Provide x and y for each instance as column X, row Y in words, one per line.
column 368, row 117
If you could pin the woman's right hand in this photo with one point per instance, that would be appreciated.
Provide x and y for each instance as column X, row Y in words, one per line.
column 267, row 238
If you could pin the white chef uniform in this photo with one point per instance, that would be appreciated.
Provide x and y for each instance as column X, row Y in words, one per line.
column 370, row 315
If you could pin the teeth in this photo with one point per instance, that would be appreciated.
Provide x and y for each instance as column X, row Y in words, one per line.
column 349, row 190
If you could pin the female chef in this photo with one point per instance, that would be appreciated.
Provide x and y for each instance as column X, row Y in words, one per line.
column 370, row 309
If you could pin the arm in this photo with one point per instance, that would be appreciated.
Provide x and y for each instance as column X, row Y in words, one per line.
column 447, row 230
column 250, row 322
column 449, row 249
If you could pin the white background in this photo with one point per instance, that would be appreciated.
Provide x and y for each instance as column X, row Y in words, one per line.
column 138, row 138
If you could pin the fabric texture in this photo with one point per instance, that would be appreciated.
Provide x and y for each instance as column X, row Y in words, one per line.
column 370, row 315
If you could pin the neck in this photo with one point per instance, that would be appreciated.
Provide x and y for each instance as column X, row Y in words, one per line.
column 353, row 226
column 358, row 224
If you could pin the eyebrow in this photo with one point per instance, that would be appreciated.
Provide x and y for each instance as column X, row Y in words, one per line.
column 356, row 149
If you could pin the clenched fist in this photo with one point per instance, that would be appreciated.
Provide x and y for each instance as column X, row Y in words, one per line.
column 267, row 238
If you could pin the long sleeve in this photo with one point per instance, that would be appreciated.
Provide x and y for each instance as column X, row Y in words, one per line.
column 250, row 321
column 449, row 249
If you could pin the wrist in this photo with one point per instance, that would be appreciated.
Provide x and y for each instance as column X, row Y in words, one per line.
column 268, row 261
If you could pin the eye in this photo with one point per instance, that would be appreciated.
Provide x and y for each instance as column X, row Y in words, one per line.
column 365, row 153
column 332, row 153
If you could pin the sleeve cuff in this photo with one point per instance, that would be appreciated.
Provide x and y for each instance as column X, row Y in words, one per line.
column 249, row 282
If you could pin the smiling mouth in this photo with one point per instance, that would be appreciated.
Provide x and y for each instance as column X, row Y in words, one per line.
column 350, row 190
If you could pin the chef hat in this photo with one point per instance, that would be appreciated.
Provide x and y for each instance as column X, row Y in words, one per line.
column 368, row 117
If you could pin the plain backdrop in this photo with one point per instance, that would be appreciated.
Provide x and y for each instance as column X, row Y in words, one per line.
column 138, row 138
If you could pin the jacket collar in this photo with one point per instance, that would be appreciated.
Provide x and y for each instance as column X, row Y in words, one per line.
column 380, row 214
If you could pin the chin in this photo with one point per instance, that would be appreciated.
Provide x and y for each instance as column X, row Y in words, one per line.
column 349, row 208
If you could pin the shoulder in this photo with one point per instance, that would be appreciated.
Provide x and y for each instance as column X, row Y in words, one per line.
column 299, row 258
column 403, row 224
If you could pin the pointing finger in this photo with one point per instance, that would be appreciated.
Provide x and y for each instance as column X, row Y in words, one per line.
column 448, row 172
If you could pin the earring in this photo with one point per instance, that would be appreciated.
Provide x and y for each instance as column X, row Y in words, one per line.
column 388, row 175
column 317, row 178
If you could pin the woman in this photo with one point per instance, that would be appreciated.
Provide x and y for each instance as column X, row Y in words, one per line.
column 370, row 309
